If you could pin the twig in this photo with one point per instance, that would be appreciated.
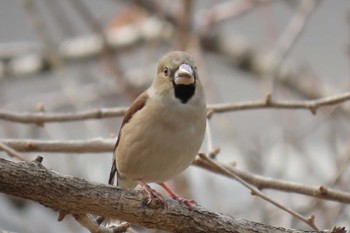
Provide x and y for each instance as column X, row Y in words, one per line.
column 311, row 105
column 77, row 146
column 11, row 152
column 184, row 24
column 42, row 32
column 256, row 192
column 262, row 182
column 107, row 51
column 212, row 151
column 267, row 103
column 293, row 30
column 93, row 227
column 226, row 10
column 60, row 17
column 62, row 117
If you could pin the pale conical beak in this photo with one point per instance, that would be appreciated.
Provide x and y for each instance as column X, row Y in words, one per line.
column 184, row 75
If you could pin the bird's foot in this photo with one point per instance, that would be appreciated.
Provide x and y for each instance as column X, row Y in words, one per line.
column 152, row 194
column 186, row 202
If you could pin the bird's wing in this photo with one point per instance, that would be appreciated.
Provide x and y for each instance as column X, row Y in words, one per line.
column 137, row 105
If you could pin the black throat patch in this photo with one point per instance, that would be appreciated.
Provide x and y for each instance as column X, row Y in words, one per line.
column 184, row 92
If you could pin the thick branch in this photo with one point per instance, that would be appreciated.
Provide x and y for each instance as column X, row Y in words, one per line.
column 103, row 145
column 30, row 180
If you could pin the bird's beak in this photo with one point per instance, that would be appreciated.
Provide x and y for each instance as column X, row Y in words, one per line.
column 184, row 75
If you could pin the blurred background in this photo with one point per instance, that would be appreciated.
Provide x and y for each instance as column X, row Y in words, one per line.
column 54, row 57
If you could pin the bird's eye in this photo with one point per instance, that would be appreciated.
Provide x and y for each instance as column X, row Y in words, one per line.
column 166, row 71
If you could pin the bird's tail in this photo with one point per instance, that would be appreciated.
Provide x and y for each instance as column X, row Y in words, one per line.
column 112, row 173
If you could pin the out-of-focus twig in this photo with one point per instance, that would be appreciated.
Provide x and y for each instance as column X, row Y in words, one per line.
column 26, row 59
column 93, row 227
column 225, row 10
column 293, row 31
column 107, row 52
column 60, row 17
column 42, row 32
column 11, row 152
column 184, row 24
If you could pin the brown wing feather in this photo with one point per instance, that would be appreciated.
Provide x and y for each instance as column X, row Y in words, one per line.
column 137, row 105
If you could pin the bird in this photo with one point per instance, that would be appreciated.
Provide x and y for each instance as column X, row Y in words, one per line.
column 162, row 130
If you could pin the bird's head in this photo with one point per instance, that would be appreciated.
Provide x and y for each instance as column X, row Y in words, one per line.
column 177, row 76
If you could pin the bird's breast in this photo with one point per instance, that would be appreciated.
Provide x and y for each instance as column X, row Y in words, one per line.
column 160, row 142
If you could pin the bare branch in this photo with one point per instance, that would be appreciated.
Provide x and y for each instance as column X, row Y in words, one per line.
column 267, row 103
column 262, row 182
column 107, row 145
column 78, row 146
column 73, row 195
column 40, row 118
column 311, row 105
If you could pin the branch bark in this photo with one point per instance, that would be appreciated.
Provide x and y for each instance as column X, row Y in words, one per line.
column 107, row 145
column 32, row 181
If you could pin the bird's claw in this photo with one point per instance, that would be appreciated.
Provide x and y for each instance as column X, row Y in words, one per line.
column 153, row 194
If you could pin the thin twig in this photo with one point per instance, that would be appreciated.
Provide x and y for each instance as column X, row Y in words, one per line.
column 74, row 146
column 294, row 29
column 93, row 227
column 11, row 152
column 226, row 10
column 256, row 192
column 107, row 51
column 40, row 28
column 184, row 24
column 267, row 103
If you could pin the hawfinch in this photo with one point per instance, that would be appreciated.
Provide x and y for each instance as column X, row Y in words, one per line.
column 163, row 129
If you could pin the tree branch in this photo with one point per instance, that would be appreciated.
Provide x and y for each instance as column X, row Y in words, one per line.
column 262, row 182
column 98, row 145
column 107, row 145
column 267, row 103
column 31, row 180
column 256, row 192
